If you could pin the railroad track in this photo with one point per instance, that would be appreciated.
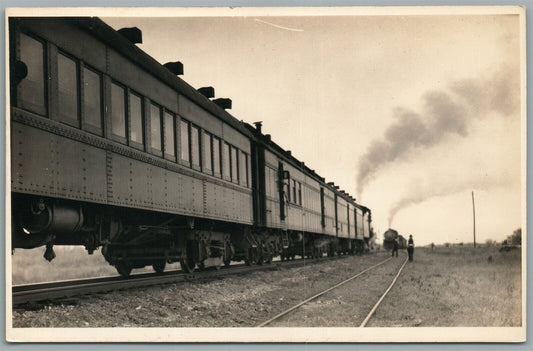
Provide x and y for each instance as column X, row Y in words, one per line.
column 365, row 321
column 23, row 294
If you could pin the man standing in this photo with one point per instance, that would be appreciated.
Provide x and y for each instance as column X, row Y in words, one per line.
column 395, row 247
column 410, row 247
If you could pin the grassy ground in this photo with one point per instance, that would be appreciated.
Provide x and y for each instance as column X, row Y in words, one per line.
column 71, row 262
column 454, row 287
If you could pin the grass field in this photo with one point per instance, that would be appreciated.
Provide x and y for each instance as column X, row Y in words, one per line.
column 71, row 262
column 29, row 266
column 455, row 287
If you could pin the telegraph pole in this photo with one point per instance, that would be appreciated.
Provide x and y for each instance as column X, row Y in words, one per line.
column 474, row 217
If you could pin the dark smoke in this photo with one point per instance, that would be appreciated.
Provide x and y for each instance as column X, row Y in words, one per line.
column 444, row 113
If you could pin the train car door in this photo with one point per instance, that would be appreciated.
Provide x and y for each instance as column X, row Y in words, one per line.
column 258, row 184
column 283, row 182
column 336, row 216
column 348, row 218
column 355, row 222
column 322, row 209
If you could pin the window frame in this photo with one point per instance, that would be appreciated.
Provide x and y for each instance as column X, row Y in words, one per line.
column 131, row 142
column 84, row 125
column 167, row 156
column 226, row 161
column 217, row 156
column 234, row 159
column 243, row 168
column 294, row 191
column 16, row 93
column 151, row 149
column 111, row 135
column 207, row 164
column 60, row 117
column 195, row 166
column 181, row 123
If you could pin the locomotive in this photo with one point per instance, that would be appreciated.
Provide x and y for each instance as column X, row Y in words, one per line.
column 112, row 150
column 390, row 236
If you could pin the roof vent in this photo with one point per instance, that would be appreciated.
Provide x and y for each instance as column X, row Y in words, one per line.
column 258, row 126
column 268, row 137
column 133, row 34
column 225, row 103
column 208, row 92
column 289, row 152
column 174, row 67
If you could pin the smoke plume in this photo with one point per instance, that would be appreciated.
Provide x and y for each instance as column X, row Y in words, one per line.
column 444, row 113
column 419, row 192
column 435, row 185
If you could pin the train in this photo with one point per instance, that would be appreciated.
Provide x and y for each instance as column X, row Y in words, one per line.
column 114, row 151
column 390, row 236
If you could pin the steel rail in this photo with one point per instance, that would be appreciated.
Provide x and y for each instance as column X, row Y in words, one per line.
column 383, row 296
column 27, row 293
column 319, row 294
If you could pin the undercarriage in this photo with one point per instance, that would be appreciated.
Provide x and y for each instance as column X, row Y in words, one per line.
column 133, row 239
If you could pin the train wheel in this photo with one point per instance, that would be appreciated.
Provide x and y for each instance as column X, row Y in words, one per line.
column 252, row 257
column 269, row 258
column 227, row 263
column 159, row 266
column 187, row 264
column 123, row 268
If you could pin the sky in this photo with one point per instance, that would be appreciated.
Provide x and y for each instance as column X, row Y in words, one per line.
column 410, row 114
